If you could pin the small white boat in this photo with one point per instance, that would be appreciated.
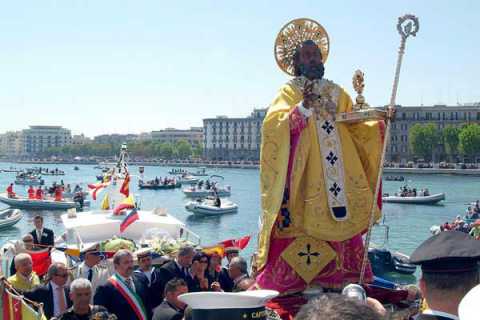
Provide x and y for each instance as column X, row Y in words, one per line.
column 194, row 192
column 430, row 199
column 9, row 217
column 187, row 179
column 201, row 172
column 44, row 204
column 207, row 207
column 29, row 181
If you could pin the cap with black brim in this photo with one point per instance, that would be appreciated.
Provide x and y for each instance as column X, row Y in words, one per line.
column 246, row 305
column 447, row 252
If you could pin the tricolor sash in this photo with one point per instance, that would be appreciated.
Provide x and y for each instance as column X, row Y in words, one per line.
column 132, row 298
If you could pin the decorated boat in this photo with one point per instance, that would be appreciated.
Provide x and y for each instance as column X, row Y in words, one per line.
column 29, row 180
column 36, row 204
column 9, row 217
column 201, row 172
column 187, row 179
column 207, row 207
column 430, row 199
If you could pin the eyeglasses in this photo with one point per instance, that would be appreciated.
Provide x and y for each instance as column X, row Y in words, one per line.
column 203, row 261
column 64, row 275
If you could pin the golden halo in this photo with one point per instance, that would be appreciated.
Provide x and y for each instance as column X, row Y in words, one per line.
column 292, row 35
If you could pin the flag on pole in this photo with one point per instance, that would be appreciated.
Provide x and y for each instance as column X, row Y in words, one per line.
column 41, row 260
column 125, row 188
column 105, row 203
column 235, row 244
column 218, row 250
column 127, row 203
column 16, row 308
column 129, row 219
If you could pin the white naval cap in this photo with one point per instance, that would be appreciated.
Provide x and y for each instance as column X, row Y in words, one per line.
column 225, row 305
column 468, row 308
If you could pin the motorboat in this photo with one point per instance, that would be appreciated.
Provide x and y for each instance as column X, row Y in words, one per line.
column 195, row 192
column 187, row 179
column 9, row 217
column 201, row 172
column 207, row 207
column 43, row 204
column 177, row 171
column 29, row 180
column 394, row 178
column 385, row 261
column 159, row 186
column 419, row 199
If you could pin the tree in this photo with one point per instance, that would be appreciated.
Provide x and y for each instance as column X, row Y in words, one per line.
column 423, row 139
column 183, row 149
column 166, row 151
column 451, row 140
column 469, row 140
column 198, row 150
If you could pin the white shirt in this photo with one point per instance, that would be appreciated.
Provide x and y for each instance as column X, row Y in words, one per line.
column 440, row 314
column 56, row 307
column 39, row 234
column 126, row 281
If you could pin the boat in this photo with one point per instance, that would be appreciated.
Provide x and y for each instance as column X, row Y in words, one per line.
column 207, row 207
column 430, row 199
column 29, row 180
column 9, row 217
column 44, row 204
column 394, row 178
column 154, row 186
column 178, row 171
column 187, row 179
column 385, row 261
column 76, row 168
column 201, row 172
column 194, row 192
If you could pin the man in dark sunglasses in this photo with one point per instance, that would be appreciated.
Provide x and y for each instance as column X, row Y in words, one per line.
column 55, row 294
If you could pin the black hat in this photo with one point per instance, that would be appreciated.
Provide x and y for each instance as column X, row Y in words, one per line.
column 447, row 252
column 247, row 305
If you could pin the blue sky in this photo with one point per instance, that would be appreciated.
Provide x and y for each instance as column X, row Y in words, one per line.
column 135, row 66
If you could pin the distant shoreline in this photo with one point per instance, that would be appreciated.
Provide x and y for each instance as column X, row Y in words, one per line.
column 386, row 171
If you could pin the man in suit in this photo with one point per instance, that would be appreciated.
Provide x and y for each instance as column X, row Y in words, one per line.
column 54, row 295
column 123, row 295
column 178, row 268
column 226, row 283
column 93, row 269
column 238, row 271
column 41, row 235
column 171, row 308
column 150, row 276
column 449, row 262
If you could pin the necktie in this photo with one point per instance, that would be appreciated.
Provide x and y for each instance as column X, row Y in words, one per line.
column 62, row 304
column 129, row 283
column 90, row 274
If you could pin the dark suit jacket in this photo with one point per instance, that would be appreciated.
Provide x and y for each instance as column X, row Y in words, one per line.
column 165, row 311
column 225, row 281
column 47, row 237
column 155, row 293
column 171, row 270
column 108, row 296
column 44, row 294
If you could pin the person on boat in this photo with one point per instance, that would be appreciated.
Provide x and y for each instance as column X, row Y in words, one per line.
column 218, row 202
column 426, row 193
column 42, row 236
column 68, row 189
column 172, row 308
column 39, row 194
column 198, row 271
column 25, row 278
column 157, row 181
column 449, row 263
column 150, row 275
column 10, row 192
column 58, row 193
column 77, row 189
column 79, row 197
column 31, row 192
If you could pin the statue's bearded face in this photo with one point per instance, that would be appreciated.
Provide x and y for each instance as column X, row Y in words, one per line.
column 308, row 61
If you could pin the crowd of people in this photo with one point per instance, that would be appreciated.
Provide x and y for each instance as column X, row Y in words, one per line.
column 56, row 191
column 405, row 191
column 130, row 286
column 470, row 223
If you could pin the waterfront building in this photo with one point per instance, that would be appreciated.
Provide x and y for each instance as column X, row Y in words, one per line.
column 79, row 139
column 37, row 139
column 114, row 138
column 441, row 115
column 194, row 135
column 233, row 138
column 11, row 144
